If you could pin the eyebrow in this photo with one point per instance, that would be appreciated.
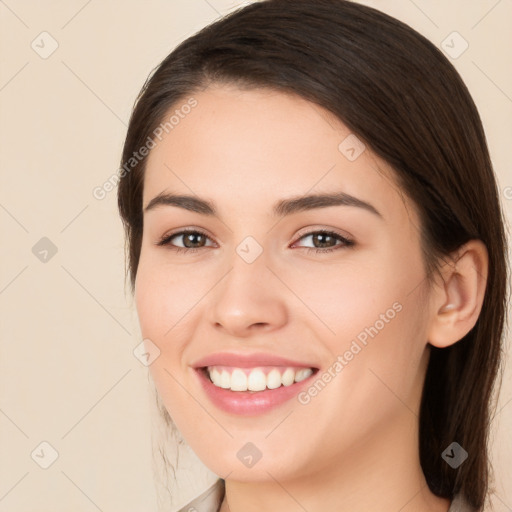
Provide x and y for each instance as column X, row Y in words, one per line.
column 280, row 209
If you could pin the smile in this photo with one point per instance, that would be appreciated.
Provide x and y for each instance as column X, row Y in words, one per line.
column 255, row 379
column 252, row 391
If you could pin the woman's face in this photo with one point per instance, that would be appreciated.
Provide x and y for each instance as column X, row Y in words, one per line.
column 261, row 282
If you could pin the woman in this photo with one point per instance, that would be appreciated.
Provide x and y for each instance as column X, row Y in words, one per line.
column 317, row 254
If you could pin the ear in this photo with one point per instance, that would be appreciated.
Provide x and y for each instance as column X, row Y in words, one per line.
column 458, row 294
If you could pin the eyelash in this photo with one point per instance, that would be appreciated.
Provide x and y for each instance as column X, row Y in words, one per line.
column 166, row 239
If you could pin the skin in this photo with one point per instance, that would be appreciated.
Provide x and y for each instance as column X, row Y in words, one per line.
column 354, row 446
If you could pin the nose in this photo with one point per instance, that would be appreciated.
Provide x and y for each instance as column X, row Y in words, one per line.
column 249, row 299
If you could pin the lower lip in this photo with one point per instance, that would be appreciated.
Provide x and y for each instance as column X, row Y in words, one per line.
column 250, row 403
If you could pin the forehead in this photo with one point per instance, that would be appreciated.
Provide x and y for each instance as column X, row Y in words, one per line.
column 245, row 147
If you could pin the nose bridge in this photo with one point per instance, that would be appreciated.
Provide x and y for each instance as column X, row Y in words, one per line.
column 245, row 280
column 246, row 296
column 247, row 260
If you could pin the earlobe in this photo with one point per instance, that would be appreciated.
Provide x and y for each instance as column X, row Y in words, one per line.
column 456, row 300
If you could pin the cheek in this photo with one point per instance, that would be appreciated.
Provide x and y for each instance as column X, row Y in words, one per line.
column 164, row 295
column 162, row 301
column 373, row 311
column 377, row 372
column 150, row 300
column 354, row 294
column 381, row 335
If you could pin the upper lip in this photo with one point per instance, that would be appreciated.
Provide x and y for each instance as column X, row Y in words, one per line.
column 247, row 360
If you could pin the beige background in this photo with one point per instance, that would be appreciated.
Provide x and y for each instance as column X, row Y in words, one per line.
column 68, row 375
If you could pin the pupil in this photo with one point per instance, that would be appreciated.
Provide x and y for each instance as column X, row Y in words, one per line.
column 322, row 237
column 190, row 238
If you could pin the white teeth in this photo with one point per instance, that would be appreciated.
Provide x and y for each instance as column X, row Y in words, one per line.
column 288, row 377
column 222, row 380
column 256, row 380
column 238, row 380
column 274, row 379
column 215, row 376
column 225, row 380
column 302, row 374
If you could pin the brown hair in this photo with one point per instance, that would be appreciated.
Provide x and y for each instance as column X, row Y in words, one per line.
column 405, row 100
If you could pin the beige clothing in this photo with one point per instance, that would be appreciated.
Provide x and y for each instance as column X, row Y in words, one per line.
column 211, row 499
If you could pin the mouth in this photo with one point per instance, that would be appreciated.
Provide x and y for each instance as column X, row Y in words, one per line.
column 255, row 379
column 246, row 391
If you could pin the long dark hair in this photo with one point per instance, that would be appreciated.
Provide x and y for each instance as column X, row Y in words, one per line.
column 405, row 100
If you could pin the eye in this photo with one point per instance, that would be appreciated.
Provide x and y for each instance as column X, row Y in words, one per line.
column 192, row 240
column 326, row 241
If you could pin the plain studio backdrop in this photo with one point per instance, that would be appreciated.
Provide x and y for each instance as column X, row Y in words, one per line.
column 74, row 400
